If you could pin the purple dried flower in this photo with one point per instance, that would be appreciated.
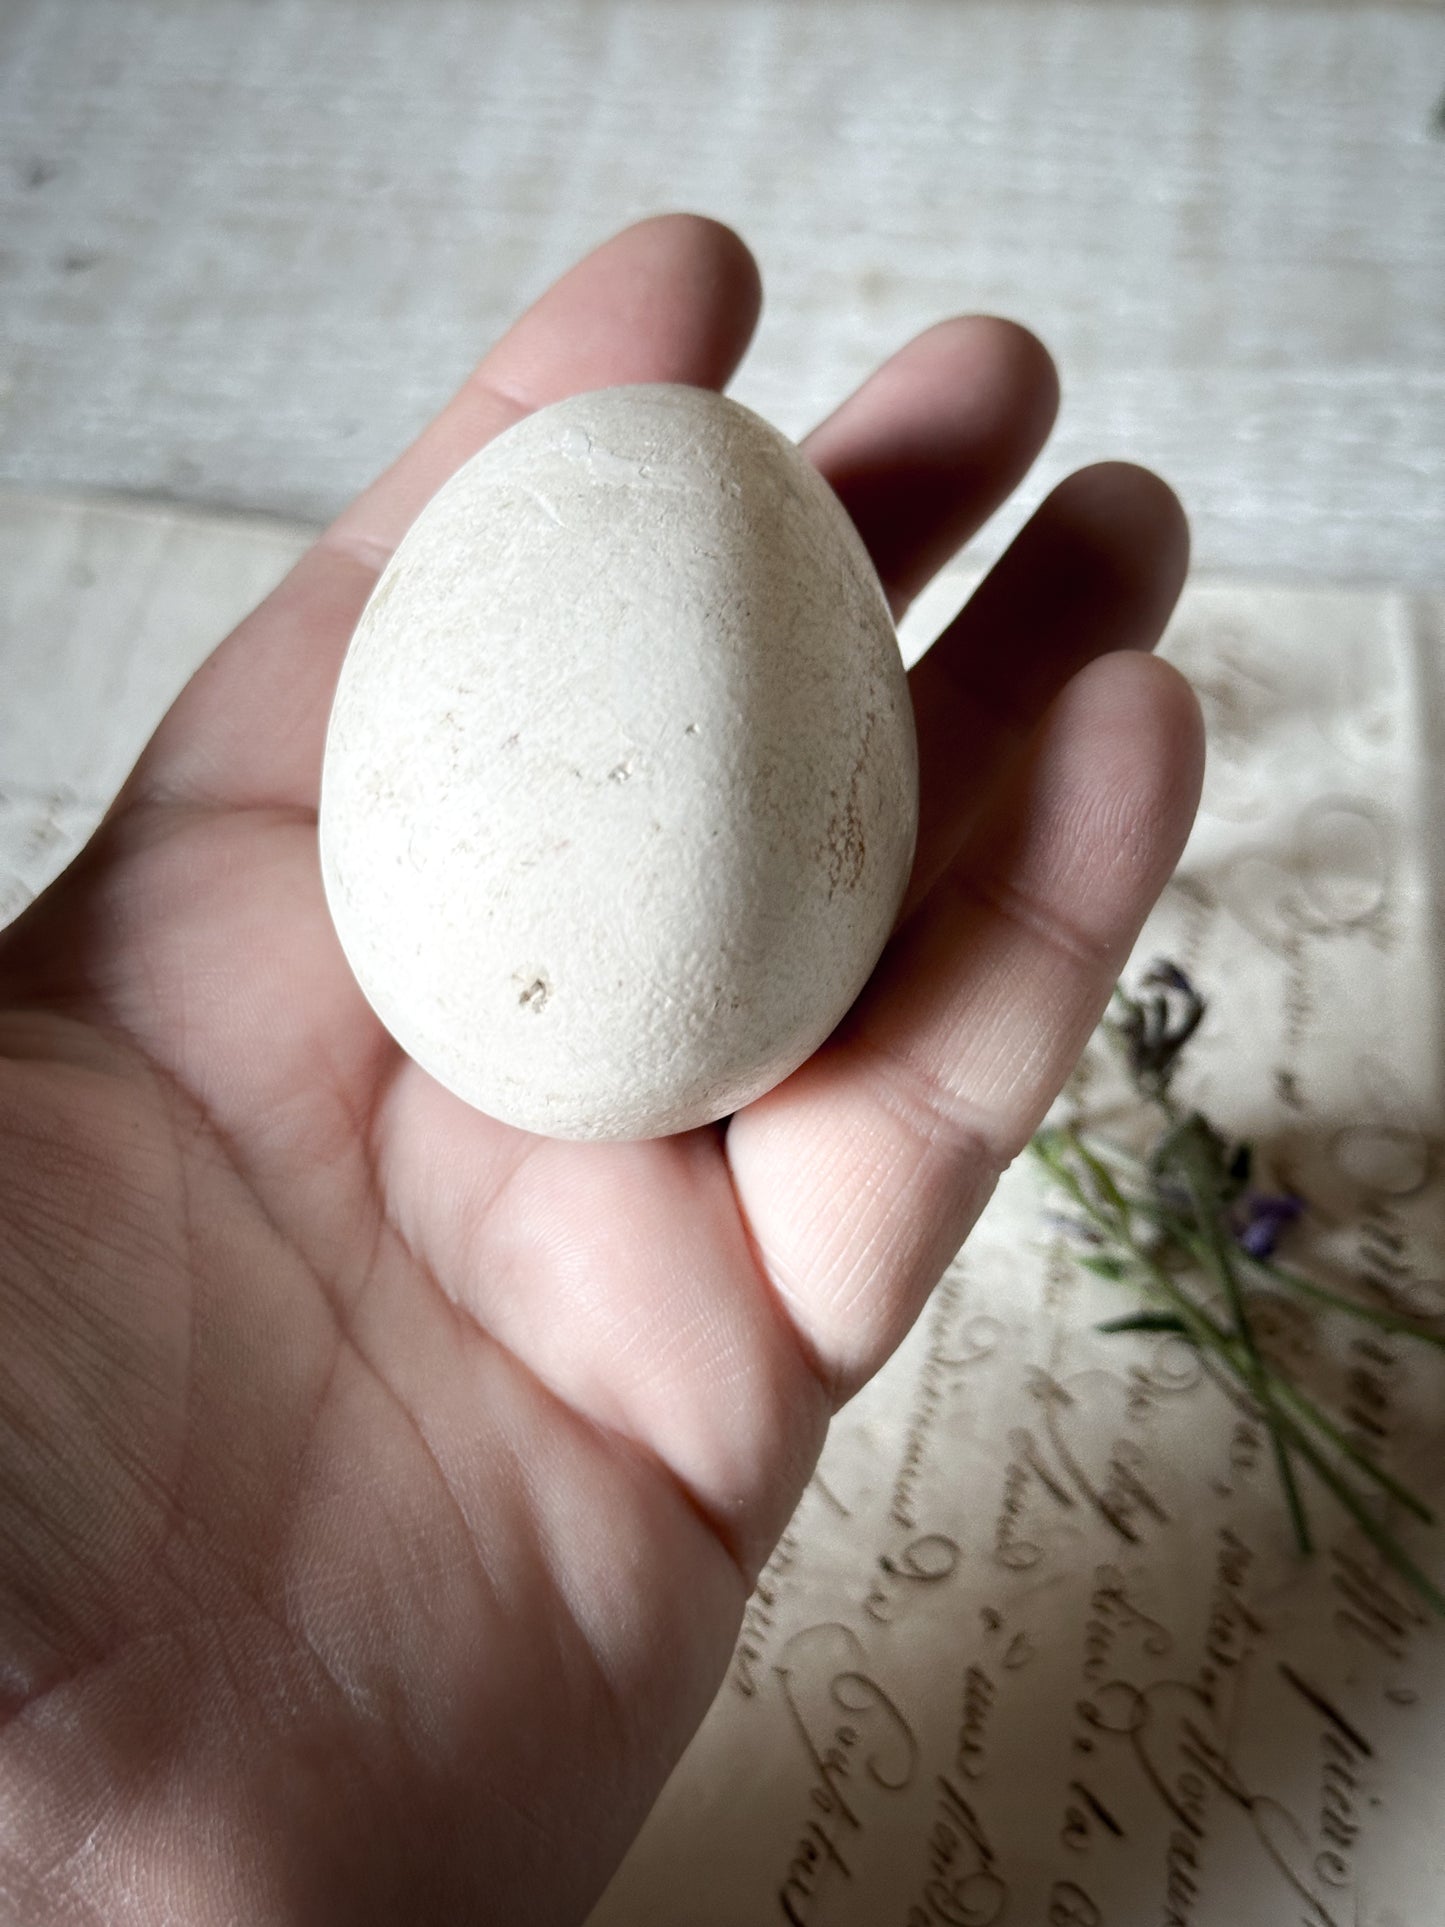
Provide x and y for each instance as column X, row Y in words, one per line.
column 1262, row 1217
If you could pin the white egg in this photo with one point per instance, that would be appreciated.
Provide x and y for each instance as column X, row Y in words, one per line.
column 620, row 790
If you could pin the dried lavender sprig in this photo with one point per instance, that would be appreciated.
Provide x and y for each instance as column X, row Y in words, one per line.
column 1152, row 1039
column 1280, row 1275
column 1285, row 1388
column 1215, row 1340
column 1188, row 1147
column 1114, row 1220
column 1388, row 1546
column 1384, row 1541
column 1128, row 1256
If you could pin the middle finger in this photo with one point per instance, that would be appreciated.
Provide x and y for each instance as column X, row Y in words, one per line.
column 924, row 452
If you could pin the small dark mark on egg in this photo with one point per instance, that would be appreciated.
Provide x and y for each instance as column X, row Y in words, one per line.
column 534, row 997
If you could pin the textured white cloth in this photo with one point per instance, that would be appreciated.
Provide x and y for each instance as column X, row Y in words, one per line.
column 247, row 255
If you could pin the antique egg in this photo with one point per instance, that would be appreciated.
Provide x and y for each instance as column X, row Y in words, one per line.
column 620, row 788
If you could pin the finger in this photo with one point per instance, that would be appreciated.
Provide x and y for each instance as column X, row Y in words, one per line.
column 861, row 1174
column 675, row 298
column 1098, row 568
column 671, row 299
column 924, row 452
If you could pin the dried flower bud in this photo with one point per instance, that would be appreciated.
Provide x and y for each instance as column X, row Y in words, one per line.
column 1152, row 1027
column 1261, row 1218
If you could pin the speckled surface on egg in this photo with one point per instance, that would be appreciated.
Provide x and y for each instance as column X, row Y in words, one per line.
column 620, row 789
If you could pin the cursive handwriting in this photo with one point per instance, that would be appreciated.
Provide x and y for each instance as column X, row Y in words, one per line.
column 759, row 1615
column 1344, row 1748
column 941, row 1366
column 1013, row 1548
column 1233, row 1627
column 1122, row 1493
column 1171, row 1730
column 924, row 1561
column 969, row 1753
column 1113, row 1613
column 1370, row 1611
column 871, row 1744
column 963, row 1887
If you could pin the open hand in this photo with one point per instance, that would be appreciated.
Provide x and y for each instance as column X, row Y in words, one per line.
column 380, row 1487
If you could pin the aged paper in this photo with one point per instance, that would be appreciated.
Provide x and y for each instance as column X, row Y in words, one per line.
column 1036, row 1647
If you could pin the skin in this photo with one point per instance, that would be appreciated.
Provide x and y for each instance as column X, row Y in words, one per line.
column 380, row 1488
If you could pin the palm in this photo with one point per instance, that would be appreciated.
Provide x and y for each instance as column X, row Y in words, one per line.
column 415, row 1468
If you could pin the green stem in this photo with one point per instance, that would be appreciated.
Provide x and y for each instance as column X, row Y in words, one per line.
column 1285, row 1388
column 1206, row 1332
column 1215, row 1339
column 1383, row 1320
column 1383, row 1541
column 1104, row 1178
column 1184, row 1235
column 1189, row 1241
column 1229, row 1348
column 1255, row 1374
column 1342, row 1444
